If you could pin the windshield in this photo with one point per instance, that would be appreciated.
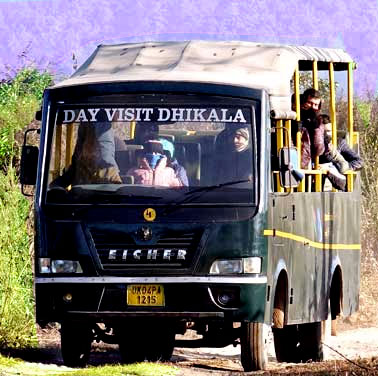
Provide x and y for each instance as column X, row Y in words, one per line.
column 156, row 153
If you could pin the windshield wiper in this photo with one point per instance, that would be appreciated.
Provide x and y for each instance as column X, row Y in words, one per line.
column 215, row 186
column 116, row 195
column 190, row 195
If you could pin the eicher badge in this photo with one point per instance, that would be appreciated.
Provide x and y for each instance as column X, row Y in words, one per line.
column 149, row 214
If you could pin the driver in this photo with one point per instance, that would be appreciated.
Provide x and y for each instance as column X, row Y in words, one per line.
column 93, row 159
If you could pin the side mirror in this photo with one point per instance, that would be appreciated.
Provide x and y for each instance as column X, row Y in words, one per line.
column 290, row 174
column 38, row 115
column 29, row 163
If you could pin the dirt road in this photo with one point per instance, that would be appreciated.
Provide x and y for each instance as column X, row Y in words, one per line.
column 350, row 344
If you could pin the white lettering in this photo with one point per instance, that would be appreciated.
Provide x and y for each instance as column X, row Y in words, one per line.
column 147, row 112
column 152, row 254
column 198, row 112
column 120, row 118
column 110, row 112
column 161, row 113
column 213, row 115
column 93, row 112
column 177, row 114
column 188, row 113
column 224, row 114
column 181, row 253
column 167, row 254
column 129, row 114
column 124, row 254
column 112, row 254
column 69, row 119
column 137, row 117
column 136, row 254
column 81, row 116
column 239, row 117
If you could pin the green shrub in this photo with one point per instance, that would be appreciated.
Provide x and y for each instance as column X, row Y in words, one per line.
column 17, row 327
column 19, row 99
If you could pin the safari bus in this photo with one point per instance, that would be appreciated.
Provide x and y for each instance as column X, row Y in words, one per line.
column 169, row 195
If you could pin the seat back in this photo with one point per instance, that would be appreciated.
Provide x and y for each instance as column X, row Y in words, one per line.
column 127, row 158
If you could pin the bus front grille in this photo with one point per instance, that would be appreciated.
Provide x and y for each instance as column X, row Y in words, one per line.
column 168, row 249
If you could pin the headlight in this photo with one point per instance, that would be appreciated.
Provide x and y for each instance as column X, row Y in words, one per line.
column 47, row 265
column 231, row 266
column 237, row 266
column 252, row 265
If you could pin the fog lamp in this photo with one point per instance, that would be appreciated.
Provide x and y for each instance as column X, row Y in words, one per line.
column 67, row 297
column 224, row 298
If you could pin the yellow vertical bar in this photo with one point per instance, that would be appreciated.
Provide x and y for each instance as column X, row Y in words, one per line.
column 350, row 104
column 132, row 129
column 58, row 150
column 332, row 103
column 349, row 182
column 318, row 182
column 302, row 184
column 287, row 135
column 315, row 81
column 287, row 138
column 315, row 84
column 280, row 143
column 69, row 143
column 296, row 92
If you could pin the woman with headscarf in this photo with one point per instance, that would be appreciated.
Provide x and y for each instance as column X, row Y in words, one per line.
column 235, row 161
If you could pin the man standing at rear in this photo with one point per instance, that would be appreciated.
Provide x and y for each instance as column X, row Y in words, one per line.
column 312, row 130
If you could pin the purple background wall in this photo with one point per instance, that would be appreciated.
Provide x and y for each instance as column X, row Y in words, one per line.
column 49, row 32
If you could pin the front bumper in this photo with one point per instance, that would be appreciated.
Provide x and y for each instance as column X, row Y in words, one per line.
column 103, row 299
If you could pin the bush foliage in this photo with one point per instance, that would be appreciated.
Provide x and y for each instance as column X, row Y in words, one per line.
column 16, row 285
column 19, row 99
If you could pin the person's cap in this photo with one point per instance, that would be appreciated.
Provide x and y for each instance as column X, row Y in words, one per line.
column 153, row 146
column 167, row 146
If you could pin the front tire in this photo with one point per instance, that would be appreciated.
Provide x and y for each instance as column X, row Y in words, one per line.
column 254, row 347
column 75, row 340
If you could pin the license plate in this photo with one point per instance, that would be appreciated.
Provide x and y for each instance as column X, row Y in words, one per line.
column 145, row 295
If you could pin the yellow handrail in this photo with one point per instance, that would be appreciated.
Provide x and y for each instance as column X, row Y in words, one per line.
column 280, row 144
column 350, row 104
column 332, row 103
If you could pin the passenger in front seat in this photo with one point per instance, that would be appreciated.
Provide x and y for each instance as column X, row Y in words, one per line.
column 152, row 167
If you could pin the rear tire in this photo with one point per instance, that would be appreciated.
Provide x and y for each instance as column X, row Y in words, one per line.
column 253, row 342
column 76, row 340
column 299, row 343
column 310, row 342
column 286, row 344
